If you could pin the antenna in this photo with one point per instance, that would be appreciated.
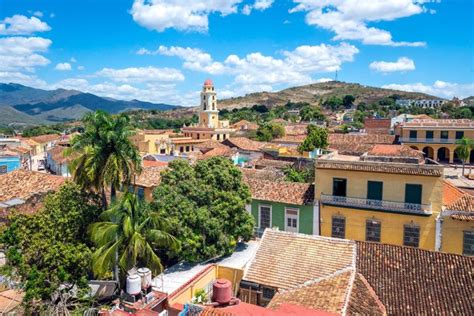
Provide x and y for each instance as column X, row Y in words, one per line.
column 335, row 78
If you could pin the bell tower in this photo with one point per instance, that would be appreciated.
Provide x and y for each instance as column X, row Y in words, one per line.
column 208, row 115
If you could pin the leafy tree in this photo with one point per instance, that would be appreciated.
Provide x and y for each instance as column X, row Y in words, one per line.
column 205, row 205
column 348, row 100
column 269, row 131
column 334, row 103
column 106, row 155
column 465, row 145
column 48, row 249
column 127, row 234
column 309, row 113
column 317, row 138
column 305, row 175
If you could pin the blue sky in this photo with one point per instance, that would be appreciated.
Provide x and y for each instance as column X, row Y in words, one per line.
column 162, row 50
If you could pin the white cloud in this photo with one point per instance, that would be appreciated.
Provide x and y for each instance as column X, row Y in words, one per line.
column 22, row 53
column 141, row 74
column 349, row 19
column 255, row 71
column 73, row 60
column 182, row 15
column 22, row 25
column 80, row 68
column 402, row 64
column 38, row 14
column 25, row 79
column 260, row 5
column 438, row 88
column 63, row 67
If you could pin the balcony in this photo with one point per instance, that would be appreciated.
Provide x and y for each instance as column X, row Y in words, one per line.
column 428, row 140
column 388, row 206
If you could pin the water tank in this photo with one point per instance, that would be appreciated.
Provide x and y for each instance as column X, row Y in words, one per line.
column 222, row 291
column 145, row 275
column 134, row 284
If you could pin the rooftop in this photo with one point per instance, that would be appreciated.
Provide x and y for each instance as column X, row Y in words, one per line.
column 41, row 139
column 244, row 143
column 23, row 184
column 357, row 144
column 270, row 174
column 150, row 176
column 285, row 260
column 432, row 123
column 281, row 191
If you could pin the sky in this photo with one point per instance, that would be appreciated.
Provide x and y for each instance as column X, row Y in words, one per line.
column 163, row 50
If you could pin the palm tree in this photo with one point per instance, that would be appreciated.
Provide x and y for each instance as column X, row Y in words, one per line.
column 127, row 235
column 106, row 157
column 465, row 145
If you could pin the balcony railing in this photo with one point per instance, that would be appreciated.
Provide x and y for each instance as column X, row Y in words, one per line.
column 428, row 140
column 382, row 205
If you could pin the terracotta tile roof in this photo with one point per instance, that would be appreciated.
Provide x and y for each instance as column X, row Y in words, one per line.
column 343, row 291
column 458, row 202
column 9, row 301
column 395, row 168
column 454, row 123
column 221, row 151
column 154, row 163
column 451, row 193
column 295, row 139
column 350, row 144
column 270, row 174
column 23, row 184
column 29, row 142
column 244, row 143
column 150, row 176
column 281, row 191
column 417, row 282
column 58, row 155
column 245, row 309
column 285, row 260
column 41, row 139
column 394, row 151
column 272, row 163
column 296, row 129
column 210, row 144
column 245, row 125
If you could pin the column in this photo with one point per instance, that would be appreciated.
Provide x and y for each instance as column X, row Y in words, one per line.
column 435, row 154
column 451, row 155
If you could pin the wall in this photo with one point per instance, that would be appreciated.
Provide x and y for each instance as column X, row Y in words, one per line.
column 305, row 217
column 452, row 234
column 391, row 225
column 393, row 185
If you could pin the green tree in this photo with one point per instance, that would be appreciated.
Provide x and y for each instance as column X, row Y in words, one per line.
column 317, row 138
column 48, row 249
column 269, row 131
column 106, row 155
column 348, row 100
column 305, row 175
column 309, row 113
column 205, row 204
column 465, row 145
column 128, row 234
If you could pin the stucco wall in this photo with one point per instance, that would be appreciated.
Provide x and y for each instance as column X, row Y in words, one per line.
column 452, row 234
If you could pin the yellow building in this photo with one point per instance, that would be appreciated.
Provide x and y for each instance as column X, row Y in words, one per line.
column 163, row 142
column 209, row 126
column 389, row 194
column 436, row 138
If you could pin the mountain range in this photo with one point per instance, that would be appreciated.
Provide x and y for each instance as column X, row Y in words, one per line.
column 22, row 105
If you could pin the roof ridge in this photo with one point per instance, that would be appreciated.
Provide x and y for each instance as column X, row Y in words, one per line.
column 372, row 292
column 314, row 237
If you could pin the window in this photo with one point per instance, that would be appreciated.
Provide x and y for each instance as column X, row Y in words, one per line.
column 411, row 235
column 338, row 227
column 339, row 187
column 372, row 230
column 218, row 137
column 413, row 193
column 374, row 190
column 162, row 151
column 291, row 220
column 459, row 134
column 141, row 192
column 181, row 149
column 265, row 216
column 429, row 134
column 444, row 134
column 187, row 148
column 268, row 293
column 468, row 243
column 413, row 134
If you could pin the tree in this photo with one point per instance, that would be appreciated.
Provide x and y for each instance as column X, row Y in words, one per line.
column 128, row 234
column 348, row 100
column 205, row 204
column 465, row 145
column 106, row 155
column 48, row 250
column 317, row 138
column 305, row 175
column 269, row 131
column 309, row 113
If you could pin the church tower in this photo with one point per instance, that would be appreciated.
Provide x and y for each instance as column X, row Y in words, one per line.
column 208, row 115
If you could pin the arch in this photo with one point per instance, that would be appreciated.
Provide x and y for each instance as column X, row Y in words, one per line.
column 456, row 158
column 443, row 154
column 414, row 147
column 428, row 152
column 471, row 157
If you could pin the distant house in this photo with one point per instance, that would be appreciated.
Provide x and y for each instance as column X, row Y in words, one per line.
column 286, row 205
column 147, row 181
column 247, row 149
column 244, row 125
column 57, row 162
column 423, row 103
column 25, row 190
column 43, row 143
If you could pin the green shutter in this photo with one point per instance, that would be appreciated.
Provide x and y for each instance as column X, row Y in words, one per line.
column 375, row 190
column 413, row 193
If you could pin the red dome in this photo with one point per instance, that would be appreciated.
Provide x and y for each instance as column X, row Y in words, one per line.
column 208, row 82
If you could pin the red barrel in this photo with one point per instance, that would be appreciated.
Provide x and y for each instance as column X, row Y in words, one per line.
column 222, row 291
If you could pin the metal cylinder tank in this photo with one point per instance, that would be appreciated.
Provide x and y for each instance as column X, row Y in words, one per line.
column 145, row 275
column 222, row 291
column 134, row 284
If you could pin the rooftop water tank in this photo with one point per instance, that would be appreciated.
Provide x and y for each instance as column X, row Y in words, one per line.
column 222, row 291
column 134, row 284
column 145, row 275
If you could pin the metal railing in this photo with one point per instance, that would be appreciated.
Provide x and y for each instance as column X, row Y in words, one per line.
column 428, row 140
column 399, row 207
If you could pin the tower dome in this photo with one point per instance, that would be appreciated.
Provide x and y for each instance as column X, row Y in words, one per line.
column 208, row 83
